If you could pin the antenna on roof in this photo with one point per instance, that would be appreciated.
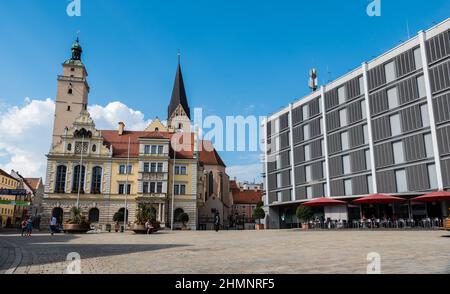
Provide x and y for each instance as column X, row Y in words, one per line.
column 313, row 81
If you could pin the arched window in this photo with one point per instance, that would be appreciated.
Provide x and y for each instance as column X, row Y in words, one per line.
column 94, row 148
column 156, row 129
column 96, row 185
column 69, row 91
column 60, row 181
column 177, row 213
column 78, row 179
column 221, row 186
column 69, row 147
column 180, row 126
column 94, row 215
column 210, row 184
column 58, row 213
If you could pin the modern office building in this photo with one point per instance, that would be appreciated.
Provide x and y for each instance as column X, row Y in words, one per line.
column 382, row 128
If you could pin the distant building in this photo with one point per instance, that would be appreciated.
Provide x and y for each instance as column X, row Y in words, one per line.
column 35, row 193
column 7, row 211
column 245, row 198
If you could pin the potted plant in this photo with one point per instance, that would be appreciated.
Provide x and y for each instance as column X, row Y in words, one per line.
column 145, row 212
column 77, row 222
column 304, row 214
column 184, row 219
column 447, row 223
column 259, row 214
column 118, row 218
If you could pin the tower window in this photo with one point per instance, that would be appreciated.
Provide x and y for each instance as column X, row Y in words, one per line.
column 94, row 148
column 69, row 147
column 68, row 108
column 72, row 69
column 180, row 126
column 156, row 129
column 69, row 91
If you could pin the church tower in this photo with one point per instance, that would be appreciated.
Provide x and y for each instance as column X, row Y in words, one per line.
column 179, row 114
column 72, row 93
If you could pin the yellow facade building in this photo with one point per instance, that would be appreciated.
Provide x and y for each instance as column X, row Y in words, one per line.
column 7, row 211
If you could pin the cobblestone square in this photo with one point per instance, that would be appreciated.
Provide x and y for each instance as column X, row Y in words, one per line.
column 205, row 252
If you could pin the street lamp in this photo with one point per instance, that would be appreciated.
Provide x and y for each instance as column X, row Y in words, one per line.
column 173, row 177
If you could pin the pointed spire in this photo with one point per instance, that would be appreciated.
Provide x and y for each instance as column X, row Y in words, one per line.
column 179, row 93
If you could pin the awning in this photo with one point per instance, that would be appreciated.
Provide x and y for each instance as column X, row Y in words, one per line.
column 378, row 199
column 435, row 196
column 324, row 202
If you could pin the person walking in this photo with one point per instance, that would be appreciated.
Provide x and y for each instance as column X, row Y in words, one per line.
column 29, row 226
column 53, row 225
column 23, row 225
column 217, row 221
column 149, row 227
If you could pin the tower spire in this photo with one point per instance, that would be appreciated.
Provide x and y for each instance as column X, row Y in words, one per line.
column 179, row 93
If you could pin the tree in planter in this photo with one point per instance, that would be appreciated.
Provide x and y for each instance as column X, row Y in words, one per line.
column 145, row 212
column 183, row 218
column 76, row 217
column 118, row 217
column 259, row 214
column 304, row 213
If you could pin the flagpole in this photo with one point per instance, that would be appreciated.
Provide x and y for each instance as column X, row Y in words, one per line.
column 126, row 187
column 79, row 174
column 173, row 184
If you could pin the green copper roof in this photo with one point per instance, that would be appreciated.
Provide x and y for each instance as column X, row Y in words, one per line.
column 76, row 54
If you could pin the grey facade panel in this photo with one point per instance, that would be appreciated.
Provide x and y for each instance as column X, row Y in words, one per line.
column 356, row 136
column 299, row 154
column 317, row 171
column 331, row 99
column 315, row 128
column 383, row 155
column 408, row 90
column 317, row 190
column 352, row 88
column 272, row 182
column 440, row 77
column 378, row 102
column 405, row 63
column 438, row 47
column 333, row 122
column 300, row 193
column 334, row 143
column 297, row 134
column 354, row 112
column 386, row 182
column 271, row 164
column 376, row 77
column 411, row 118
column 381, row 128
column 441, row 107
column 414, row 147
column 272, row 197
column 284, row 121
column 359, row 185
column 316, row 149
column 284, row 140
column 285, row 178
column 313, row 107
column 297, row 115
column 443, row 135
column 286, row 195
column 300, row 175
column 358, row 161
column 337, row 188
column 285, row 158
column 417, row 176
column 335, row 166
column 445, row 166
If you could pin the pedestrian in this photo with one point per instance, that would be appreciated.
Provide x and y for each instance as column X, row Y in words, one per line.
column 29, row 226
column 217, row 221
column 23, row 225
column 53, row 225
column 149, row 227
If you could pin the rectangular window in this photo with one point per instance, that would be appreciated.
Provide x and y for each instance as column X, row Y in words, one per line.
column 389, row 70
column 346, row 165
column 396, row 128
column 279, row 196
column 279, row 180
column 159, row 187
column 305, row 110
column 348, row 187
column 145, row 188
column 363, row 109
column 307, row 152
column 324, row 170
column 176, row 189
column 322, row 147
column 154, row 149
column 146, row 167
column 306, row 132
column 400, row 178
column 432, row 176
column 424, row 114
column 361, row 85
column 308, row 173
column 369, row 184
column 309, row 194
column 421, row 87
column 368, row 161
column 160, row 167
column 366, row 134
column 160, row 149
column 147, row 149
column 122, row 169
column 397, row 148
column 181, row 169
column 321, row 126
column 277, row 143
column 152, row 187
column 428, row 145
column 122, row 189
column 320, row 104
column 277, row 125
column 344, row 141
column 343, row 117
column 325, row 190
column 342, row 95
column 418, row 58
column 392, row 95
column 153, row 167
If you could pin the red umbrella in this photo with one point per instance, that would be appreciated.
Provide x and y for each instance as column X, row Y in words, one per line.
column 324, row 202
column 435, row 196
column 378, row 199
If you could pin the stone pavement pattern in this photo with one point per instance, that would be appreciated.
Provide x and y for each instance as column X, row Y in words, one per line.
column 204, row 252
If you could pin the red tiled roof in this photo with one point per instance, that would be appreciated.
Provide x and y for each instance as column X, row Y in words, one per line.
column 247, row 197
column 233, row 185
column 208, row 154
column 33, row 182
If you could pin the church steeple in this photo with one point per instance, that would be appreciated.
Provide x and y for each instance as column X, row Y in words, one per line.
column 179, row 97
column 77, row 50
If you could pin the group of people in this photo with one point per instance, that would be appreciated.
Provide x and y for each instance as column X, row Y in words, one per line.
column 27, row 226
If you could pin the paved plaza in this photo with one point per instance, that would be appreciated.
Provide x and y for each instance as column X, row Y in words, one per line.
column 204, row 252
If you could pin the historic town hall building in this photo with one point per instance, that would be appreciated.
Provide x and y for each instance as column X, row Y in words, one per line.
column 104, row 171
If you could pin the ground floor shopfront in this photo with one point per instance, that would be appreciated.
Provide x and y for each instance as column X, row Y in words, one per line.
column 283, row 216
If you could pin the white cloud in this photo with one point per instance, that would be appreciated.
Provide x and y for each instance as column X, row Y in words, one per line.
column 109, row 116
column 25, row 132
column 249, row 173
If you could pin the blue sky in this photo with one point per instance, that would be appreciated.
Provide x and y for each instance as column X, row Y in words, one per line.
column 239, row 57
